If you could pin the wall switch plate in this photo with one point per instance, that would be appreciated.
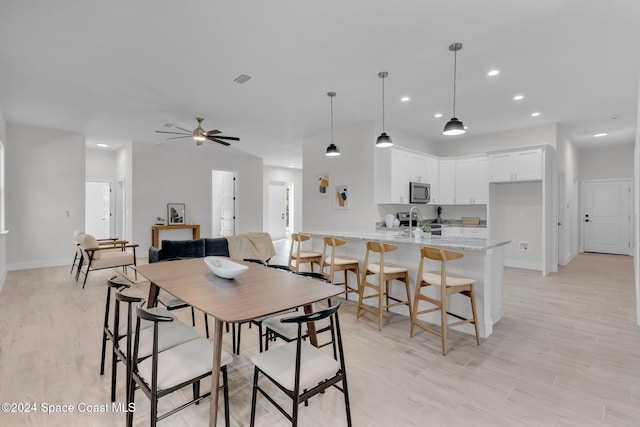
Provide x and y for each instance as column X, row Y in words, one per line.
column 524, row 246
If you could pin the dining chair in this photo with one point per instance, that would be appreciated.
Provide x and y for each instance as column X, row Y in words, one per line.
column 301, row 370
column 386, row 273
column 172, row 369
column 449, row 285
column 298, row 256
column 77, row 257
column 258, row 321
column 275, row 329
column 336, row 263
column 170, row 335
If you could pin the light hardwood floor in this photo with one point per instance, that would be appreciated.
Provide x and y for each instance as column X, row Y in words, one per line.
column 566, row 353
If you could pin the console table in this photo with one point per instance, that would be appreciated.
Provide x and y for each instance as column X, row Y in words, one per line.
column 155, row 232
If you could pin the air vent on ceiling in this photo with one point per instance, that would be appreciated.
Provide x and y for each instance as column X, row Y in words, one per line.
column 242, row 78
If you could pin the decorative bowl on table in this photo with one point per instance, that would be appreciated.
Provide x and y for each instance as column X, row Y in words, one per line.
column 224, row 267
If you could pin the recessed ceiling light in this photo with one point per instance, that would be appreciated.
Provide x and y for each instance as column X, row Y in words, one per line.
column 291, row 166
column 598, row 135
column 405, row 99
column 518, row 97
column 102, row 145
column 437, row 115
column 493, row 73
column 536, row 114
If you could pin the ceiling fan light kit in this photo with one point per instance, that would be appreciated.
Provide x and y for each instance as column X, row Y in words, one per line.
column 454, row 126
column 200, row 135
column 383, row 140
column 332, row 149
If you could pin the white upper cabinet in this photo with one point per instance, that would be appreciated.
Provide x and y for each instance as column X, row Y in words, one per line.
column 418, row 168
column 472, row 185
column 392, row 175
column 524, row 165
column 433, row 178
column 447, row 182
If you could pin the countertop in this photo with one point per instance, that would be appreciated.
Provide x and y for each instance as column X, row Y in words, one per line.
column 397, row 238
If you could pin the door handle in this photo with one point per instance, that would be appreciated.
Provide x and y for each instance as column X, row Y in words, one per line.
column 586, row 220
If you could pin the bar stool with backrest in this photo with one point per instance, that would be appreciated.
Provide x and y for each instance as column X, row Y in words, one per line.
column 297, row 256
column 449, row 285
column 336, row 264
column 386, row 273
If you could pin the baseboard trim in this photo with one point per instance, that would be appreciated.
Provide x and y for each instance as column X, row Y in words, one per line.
column 527, row 265
column 28, row 265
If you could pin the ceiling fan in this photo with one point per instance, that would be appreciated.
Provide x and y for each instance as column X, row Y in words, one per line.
column 200, row 135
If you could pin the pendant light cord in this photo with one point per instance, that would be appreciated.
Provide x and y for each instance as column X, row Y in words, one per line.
column 331, row 119
column 383, row 131
column 455, row 66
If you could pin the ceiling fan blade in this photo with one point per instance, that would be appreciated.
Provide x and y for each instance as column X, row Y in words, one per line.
column 186, row 130
column 230, row 138
column 212, row 132
column 179, row 137
column 174, row 133
column 219, row 141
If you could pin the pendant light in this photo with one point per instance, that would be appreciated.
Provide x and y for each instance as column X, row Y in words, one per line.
column 454, row 126
column 383, row 140
column 332, row 150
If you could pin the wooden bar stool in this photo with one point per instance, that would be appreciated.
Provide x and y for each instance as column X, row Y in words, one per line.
column 297, row 255
column 386, row 273
column 449, row 285
column 336, row 263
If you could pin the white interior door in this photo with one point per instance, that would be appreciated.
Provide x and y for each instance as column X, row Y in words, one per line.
column 223, row 203
column 228, row 204
column 277, row 210
column 606, row 216
column 98, row 209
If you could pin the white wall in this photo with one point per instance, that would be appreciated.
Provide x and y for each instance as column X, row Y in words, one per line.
column 100, row 165
column 354, row 167
column 517, row 209
column 45, row 181
column 606, row 162
column 276, row 174
column 3, row 235
column 466, row 145
column 124, row 174
column 568, row 172
column 181, row 173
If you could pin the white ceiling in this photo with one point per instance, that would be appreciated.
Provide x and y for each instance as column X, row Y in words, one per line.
column 118, row 70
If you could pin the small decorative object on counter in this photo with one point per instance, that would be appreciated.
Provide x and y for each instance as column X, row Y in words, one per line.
column 159, row 220
column 417, row 233
column 426, row 229
column 439, row 211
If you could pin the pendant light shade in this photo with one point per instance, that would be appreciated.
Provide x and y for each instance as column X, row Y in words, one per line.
column 383, row 140
column 454, row 126
column 332, row 149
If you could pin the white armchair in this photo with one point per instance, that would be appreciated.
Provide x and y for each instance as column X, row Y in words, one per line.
column 96, row 256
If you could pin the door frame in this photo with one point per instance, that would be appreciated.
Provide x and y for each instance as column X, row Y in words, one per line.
column 288, row 201
column 629, row 181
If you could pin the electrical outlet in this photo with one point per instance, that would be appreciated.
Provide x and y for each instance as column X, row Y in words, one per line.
column 524, row 246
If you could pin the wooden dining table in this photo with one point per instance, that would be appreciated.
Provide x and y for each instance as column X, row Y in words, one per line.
column 260, row 291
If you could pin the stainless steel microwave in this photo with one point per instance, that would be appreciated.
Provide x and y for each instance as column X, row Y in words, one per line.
column 419, row 192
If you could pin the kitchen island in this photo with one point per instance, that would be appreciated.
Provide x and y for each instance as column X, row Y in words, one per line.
column 482, row 261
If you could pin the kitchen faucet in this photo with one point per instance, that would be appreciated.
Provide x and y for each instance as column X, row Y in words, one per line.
column 411, row 218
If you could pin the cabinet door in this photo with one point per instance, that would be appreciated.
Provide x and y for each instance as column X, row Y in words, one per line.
column 500, row 167
column 481, row 182
column 400, row 164
column 465, row 184
column 527, row 165
column 418, row 168
column 433, row 179
column 472, row 187
column 447, row 178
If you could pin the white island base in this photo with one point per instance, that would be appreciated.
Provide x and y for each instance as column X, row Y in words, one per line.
column 482, row 261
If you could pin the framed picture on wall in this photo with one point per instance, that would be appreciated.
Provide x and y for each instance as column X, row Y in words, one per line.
column 323, row 184
column 176, row 213
column 341, row 197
